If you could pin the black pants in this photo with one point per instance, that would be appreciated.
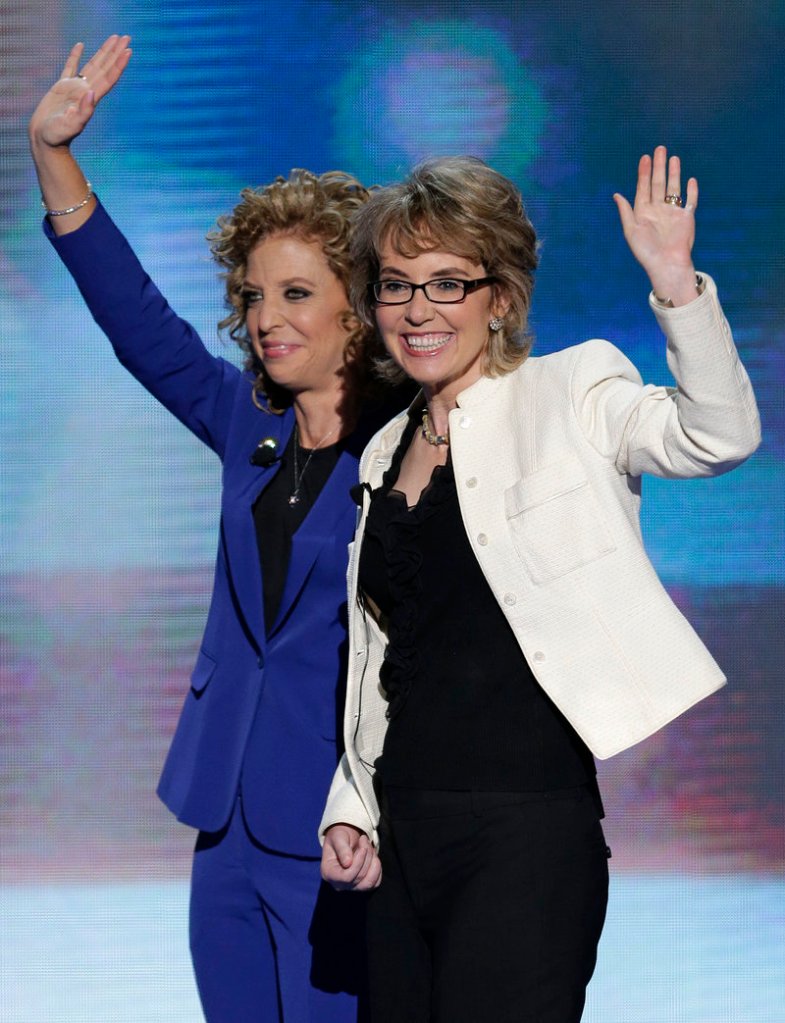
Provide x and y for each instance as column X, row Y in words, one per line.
column 490, row 908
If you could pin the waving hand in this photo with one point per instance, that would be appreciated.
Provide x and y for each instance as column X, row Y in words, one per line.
column 63, row 114
column 660, row 226
column 66, row 109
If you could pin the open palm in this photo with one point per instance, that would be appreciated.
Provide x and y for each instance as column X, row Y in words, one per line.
column 67, row 107
column 658, row 233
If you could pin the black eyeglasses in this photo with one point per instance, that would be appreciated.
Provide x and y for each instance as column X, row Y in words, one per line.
column 442, row 290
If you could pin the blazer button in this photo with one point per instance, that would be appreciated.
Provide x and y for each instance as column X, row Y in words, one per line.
column 465, row 422
column 510, row 599
column 471, row 482
column 482, row 540
column 539, row 656
column 260, row 662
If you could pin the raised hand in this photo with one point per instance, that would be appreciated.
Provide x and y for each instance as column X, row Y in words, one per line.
column 661, row 233
column 57, row 120
column 66, row 109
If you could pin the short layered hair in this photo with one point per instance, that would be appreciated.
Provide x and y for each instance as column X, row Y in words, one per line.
column 455, row 204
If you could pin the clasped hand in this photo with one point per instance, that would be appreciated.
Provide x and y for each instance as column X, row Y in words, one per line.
column 349, row 859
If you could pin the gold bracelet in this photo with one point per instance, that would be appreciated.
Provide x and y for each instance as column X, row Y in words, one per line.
column 70, row 209
column 700, row 287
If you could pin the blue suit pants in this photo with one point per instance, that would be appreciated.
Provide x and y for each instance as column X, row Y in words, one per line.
column 270, row 942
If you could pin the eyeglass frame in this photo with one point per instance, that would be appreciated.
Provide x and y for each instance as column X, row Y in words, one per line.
column 468, row 287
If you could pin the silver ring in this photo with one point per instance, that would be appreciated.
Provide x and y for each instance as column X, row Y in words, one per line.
column 80, row 75
column 674, row 200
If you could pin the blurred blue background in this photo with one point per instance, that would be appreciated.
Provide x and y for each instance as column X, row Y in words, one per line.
column 109, row 509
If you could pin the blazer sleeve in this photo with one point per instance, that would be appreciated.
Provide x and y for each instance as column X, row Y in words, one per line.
column 704, row 426
column 345, row 805
column 163, row 351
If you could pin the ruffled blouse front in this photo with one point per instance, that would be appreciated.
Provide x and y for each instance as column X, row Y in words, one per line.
column 392, row 566
column 465, row 711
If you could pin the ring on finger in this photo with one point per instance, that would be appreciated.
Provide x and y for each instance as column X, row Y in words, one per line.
column 674, row 200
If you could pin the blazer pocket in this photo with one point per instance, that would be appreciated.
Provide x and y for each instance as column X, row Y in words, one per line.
column 555, row 521
column 203, row 671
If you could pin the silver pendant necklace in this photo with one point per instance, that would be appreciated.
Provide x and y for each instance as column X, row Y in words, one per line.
column 294, row 497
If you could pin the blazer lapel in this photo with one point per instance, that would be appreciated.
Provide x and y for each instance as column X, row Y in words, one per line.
column 240, row 494
column 319, row 526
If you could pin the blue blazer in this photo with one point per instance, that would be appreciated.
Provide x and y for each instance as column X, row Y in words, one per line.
column 264, row 710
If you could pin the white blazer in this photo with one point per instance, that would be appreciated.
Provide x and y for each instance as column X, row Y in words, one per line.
column 547, row 463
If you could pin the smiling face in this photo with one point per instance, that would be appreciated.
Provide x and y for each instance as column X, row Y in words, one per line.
column 441, row 346
column 295, row 306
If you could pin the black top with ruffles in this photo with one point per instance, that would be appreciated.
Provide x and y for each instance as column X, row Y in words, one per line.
column 465, row 711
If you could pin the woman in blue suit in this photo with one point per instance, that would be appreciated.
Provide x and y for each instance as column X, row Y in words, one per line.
column 255, row 747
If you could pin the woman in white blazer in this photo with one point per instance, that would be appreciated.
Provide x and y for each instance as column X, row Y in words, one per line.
column 506, row 625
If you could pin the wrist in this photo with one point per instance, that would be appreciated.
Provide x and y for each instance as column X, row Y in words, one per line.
column 674, row 282
column 683, row 295
column 72, row 208
column 40, row 147
column 343, row 824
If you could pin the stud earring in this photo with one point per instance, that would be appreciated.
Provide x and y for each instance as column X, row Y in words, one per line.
column 496, row 324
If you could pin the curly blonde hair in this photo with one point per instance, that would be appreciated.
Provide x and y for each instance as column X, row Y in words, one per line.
column 314, row 208
column 454, row 204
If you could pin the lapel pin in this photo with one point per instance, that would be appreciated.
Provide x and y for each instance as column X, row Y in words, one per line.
column 265, row 453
